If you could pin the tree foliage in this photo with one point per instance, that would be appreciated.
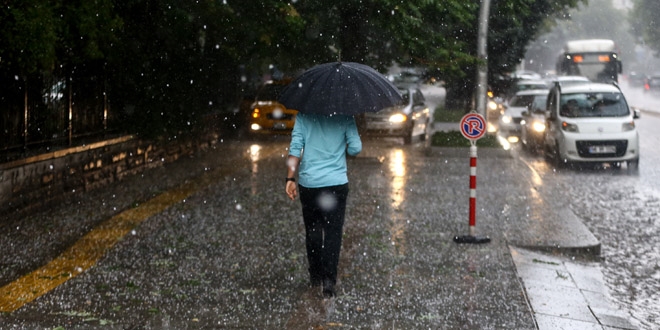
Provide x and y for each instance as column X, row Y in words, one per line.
column 166, row 63
column 646, row 23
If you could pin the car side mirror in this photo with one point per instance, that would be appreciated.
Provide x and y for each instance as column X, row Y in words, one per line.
column 525, row 113
column 636, row 113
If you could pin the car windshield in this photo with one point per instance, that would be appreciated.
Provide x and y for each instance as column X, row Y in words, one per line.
column 593, row 105
column 529, row 101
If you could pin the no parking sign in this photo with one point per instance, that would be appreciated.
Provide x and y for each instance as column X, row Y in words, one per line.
column 473, row 126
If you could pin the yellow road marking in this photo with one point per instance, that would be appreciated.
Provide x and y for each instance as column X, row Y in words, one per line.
column 87, row 251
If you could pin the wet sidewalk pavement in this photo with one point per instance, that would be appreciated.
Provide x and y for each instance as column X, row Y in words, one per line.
column 231, row 254
column 566, row 294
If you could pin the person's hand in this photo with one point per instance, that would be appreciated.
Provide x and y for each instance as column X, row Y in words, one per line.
column 291, row 190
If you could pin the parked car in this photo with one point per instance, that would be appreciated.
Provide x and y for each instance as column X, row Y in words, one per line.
column 533, row 123
column 268, row 116
column 409, row 119
column 590, row 123
column 510, row 123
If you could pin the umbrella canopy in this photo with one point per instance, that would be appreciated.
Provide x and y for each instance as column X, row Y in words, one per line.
column 344, row 88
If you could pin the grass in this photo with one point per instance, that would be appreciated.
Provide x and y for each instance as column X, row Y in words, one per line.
column 455, row 138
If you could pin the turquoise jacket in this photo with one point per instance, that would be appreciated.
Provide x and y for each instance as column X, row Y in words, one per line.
column 322, row 142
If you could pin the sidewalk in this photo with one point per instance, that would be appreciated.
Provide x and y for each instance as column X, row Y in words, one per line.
column 562, row 293
column 566, row 295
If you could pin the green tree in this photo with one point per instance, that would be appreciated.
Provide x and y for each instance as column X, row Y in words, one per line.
column 645, row 22
column 169, row 62
column 28, row 38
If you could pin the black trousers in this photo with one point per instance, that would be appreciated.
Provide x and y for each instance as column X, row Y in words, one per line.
column 323, row 213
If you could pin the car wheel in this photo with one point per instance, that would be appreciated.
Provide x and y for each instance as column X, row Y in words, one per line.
column 633, row 165
column 552, row 155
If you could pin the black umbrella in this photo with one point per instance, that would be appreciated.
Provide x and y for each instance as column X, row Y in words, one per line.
column 345, row 88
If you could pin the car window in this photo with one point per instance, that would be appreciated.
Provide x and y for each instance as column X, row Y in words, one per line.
column 522, row 101
column 593, row 105
column 405, row 94
column 418, row 98
column 538, row 105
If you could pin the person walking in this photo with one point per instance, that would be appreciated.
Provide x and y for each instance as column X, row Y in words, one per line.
column 317, row 155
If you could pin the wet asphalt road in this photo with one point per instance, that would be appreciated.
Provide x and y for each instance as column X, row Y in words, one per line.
column 232, row 254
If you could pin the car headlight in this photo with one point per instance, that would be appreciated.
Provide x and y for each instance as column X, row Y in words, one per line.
column 506, row 119
column 629, row 126
column 492, row 105
column 398, row 118
column 568, row 127
column 538, row 126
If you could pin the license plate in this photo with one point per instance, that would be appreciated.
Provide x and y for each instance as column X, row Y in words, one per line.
column 279, row 125
column 602, row 149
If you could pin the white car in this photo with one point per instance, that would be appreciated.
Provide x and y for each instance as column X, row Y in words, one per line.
column 590, row 122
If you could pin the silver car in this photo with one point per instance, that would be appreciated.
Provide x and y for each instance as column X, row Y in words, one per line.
column 409, row 119
column 510, row 123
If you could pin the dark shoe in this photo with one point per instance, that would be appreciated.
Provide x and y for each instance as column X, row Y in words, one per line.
column 328, row 289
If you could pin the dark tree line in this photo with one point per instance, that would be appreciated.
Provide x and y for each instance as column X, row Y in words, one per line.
column 164, row 64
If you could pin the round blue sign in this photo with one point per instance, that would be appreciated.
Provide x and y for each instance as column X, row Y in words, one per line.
column 473, row 126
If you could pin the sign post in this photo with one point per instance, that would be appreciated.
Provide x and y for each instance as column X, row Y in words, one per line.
column 473, row 127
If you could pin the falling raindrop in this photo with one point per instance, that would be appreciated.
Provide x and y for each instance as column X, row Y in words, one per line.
column 327, row 201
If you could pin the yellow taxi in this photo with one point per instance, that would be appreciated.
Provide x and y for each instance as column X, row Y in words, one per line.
column 267, row 115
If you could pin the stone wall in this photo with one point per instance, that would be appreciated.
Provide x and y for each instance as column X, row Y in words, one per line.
column 40, row 179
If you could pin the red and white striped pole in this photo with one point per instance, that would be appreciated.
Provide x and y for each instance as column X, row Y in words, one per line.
column 472, row 238
column 473, row 188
